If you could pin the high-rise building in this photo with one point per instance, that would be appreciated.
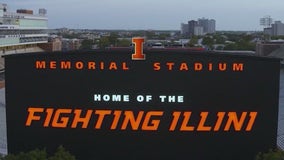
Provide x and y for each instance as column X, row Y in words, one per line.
column 22, row 30
column 207, row 24
column 200, row 27
column 278, row 28
column 211, row 26
column 267, row 31
column 204, row 23
column 198, row 30
column 184, row 29
column 191, row 25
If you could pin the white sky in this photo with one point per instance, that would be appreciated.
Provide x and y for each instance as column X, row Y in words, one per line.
column 152, row 14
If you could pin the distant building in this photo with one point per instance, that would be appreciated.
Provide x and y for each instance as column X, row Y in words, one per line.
column 211, row 26
column 276, row 29
column 208, row 25
column 71, row 44
column 272, row 48
column 21, row 30
column 42, row 11
column 198, row 31
column 191, row 25
column 54, row 44
column 267, row 31
column 279, row 53
column 267, row 47
column 184, row 29
column 200, row 27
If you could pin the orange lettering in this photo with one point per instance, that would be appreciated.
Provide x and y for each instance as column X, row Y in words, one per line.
column 201, row 126
column 102, row 66
column 124, row 66
column 49, row 112
column 40, row 65
column 174, row 121
column 154, row 123
column 32, row 115
column 65, row 65
column 198, row 66
column 58, row 121
column 91, row 65
column 238, row 67
column 116, row 119
column 219, row 120
column 251, row 120
column 112, row 66
column 129, row 118
column 183, row 66
column 210, row 66
column 102, row 114
column 157, row 66
column 79, row 65
column 184, row 126
column 222, row 66
column 138, row 51
column 52, row 64
column 233, row 119
column 78, row 119
column 170, row 65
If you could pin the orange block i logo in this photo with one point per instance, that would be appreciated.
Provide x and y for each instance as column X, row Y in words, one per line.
column 138, row 52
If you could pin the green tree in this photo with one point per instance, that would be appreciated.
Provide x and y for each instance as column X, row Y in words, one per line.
column 32, row 155
column 138, row 34
column 124, row 43
column 86, row 44
column 241, row 42
column 277, row 37
column 104, row 42
column 271, row 155
column 113, row 38
column 219, row 39
column 150, row 34
column 164, row 36
column 62, row 154
column 231, row 46
column 193, row 41
column 246, row 45
column 208, row 41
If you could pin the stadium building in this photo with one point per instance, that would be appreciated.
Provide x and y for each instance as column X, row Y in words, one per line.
column 21, row 31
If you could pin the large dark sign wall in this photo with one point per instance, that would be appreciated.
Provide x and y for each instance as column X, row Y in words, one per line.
column 172, row 105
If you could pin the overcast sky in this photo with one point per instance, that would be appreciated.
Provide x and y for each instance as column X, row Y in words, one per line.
column 152, row 14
